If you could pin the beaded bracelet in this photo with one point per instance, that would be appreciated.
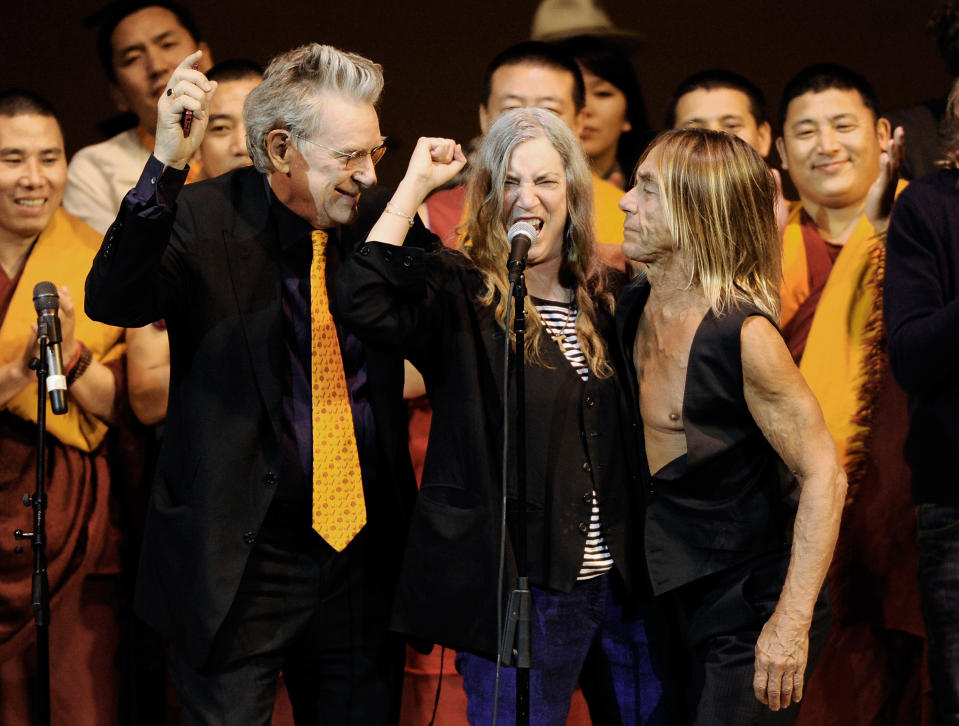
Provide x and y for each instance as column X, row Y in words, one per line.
column 82, row 363
column 390, row 209
column 76, row 356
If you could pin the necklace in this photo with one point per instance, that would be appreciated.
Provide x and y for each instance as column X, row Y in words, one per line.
column 558, row 334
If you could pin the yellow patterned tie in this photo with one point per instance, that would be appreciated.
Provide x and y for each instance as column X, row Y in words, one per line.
column 339, row 511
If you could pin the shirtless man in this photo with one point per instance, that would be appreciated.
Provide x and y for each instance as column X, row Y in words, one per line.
column 732, row 433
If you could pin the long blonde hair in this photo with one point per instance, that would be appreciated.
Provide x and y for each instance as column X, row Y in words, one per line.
column 489, row 249
column 719, row 201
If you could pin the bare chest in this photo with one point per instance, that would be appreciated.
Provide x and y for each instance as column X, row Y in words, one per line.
column 661, row 356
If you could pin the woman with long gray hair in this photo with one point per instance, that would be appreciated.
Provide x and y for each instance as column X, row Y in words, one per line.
column 447, row 313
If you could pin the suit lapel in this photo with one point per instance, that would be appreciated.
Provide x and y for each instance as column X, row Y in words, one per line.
column 251, row 250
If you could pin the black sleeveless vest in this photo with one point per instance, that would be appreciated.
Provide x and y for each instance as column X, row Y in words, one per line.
column 728, row 499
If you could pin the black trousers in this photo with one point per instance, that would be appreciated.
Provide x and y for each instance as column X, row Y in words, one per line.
column 317, row 616
column 719, row 619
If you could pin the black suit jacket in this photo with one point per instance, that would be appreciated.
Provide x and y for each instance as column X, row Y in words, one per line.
column 213, row 274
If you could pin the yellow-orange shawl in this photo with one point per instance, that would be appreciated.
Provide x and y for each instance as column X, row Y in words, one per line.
column 62, row 255
column 842, row 359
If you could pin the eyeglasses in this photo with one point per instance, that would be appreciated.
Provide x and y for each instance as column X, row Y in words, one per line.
column 353, row 159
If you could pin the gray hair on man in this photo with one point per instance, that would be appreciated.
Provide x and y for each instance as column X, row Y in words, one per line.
column 291, row 94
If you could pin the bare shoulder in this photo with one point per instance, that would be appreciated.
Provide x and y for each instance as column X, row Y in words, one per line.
column 767, row 363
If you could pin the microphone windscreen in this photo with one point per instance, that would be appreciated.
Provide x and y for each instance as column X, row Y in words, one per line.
column 45, row 297
column 524, row 229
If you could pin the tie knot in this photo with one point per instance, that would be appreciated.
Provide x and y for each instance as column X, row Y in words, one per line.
column 320, row 237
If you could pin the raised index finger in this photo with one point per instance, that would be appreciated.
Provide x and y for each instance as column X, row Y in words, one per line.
column 191, row 60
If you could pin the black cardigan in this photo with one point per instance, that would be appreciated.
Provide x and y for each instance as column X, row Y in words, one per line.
column 427, row 309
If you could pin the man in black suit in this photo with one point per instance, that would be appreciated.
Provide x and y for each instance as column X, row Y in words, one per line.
column 232, row 571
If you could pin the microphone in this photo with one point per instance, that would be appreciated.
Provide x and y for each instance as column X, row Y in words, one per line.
column 46, row 301
column 521, row 237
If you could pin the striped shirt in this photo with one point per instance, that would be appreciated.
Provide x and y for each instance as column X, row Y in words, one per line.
column 559, row 322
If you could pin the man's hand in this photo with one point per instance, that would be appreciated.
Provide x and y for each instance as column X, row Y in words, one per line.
column 186, row 89
column 68, row 324
column 882, row 193
column 433, row 163
column 781, row 654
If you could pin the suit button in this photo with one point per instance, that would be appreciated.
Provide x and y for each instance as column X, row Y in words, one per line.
column 582, row 527
column 249, row 537
column 586, row 467
column 588, row 498
column 365, row 250
column 271, row 479
column 388, row 255
column 590, row 401
column 407, row 261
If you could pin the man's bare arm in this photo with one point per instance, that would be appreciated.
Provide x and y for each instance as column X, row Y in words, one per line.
column 788, row 414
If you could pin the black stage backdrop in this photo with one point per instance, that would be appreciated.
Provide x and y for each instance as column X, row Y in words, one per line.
column 434, row 52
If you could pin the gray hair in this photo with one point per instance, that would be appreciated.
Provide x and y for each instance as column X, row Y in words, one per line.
column 488, row 180
column 290, row 96
column 486, row 235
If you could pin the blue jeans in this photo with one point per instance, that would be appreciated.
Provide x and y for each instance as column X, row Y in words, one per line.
column 581, row 633
column 938, row 526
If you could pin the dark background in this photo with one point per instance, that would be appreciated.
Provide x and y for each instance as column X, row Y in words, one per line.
column 434, row 52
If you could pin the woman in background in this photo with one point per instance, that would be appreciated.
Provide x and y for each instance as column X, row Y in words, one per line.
column 615, row 125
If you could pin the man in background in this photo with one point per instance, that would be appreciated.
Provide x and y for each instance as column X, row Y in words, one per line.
column 533, row 74
column 139, row 43
column 920, row 309
column 39, row 241
column 722, row 101
column 838, row 151
column 224, row 145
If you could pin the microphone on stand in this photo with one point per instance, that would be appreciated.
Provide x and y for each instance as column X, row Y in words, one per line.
column 521, row 237
column 46, row 301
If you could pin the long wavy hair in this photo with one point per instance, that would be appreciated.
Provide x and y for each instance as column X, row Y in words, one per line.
column 488, row 247
column 718, row 199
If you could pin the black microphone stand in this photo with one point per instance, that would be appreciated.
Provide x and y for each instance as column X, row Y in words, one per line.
column 40, row 590
column 517, row 634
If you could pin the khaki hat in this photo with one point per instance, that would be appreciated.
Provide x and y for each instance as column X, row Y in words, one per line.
column 558, row 19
